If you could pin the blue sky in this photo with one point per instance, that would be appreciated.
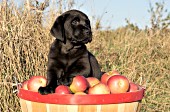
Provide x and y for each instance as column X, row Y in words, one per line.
column 114, row 12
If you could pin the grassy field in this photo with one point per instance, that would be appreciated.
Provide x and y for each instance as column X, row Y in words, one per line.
column 142, row 56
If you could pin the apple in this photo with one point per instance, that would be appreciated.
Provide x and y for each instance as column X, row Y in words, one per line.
column 92, row 81
column 35, row 82
column 80, row 93
column 133, row 87
column 24, row 85
column 107, row 75
column 118, row 84
column 62, row 89
column 105, row 78
column 99, row 88
column 79, row 84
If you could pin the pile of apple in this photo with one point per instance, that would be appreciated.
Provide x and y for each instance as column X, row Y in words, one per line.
column 111, row 82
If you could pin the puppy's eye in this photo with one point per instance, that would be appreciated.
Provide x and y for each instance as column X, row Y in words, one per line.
column 75, row 22
column 87, row 22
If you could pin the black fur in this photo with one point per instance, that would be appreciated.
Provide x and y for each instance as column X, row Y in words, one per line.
column 68, row 54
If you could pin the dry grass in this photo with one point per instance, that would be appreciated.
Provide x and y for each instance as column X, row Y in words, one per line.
column 143, row 58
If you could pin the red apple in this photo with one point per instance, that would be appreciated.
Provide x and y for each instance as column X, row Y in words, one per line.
column 36, row 82
column 107, row 75
column 24, row 85
column 80, row 93
column 133, row 87
column 105, row 78
column 99, row 88
column 61, row 89
column 118, row 84
column 79, row 84
column 92, row 81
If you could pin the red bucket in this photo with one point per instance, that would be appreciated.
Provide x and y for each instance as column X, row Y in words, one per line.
column 121, row 102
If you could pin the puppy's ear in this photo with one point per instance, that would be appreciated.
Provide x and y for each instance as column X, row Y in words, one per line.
column 57, row 29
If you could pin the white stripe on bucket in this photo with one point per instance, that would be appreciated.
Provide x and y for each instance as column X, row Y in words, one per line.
column 29, row 106
column 98, row 108
column 72, row 108
column 121, row 108
column 48, row 107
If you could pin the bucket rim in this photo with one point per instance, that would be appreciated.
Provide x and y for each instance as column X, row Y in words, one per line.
column 71, row 99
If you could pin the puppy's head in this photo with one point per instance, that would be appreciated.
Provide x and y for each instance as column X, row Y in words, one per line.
column 74, row 26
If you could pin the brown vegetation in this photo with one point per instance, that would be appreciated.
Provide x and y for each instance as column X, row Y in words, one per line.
column 141, row 55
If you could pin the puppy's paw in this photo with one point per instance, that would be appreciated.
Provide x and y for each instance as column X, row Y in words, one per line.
column 46, row 90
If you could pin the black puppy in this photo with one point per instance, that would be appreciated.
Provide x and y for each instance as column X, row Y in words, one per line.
column 68, row 54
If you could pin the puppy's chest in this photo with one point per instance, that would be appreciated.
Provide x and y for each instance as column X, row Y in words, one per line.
column 70, row 57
